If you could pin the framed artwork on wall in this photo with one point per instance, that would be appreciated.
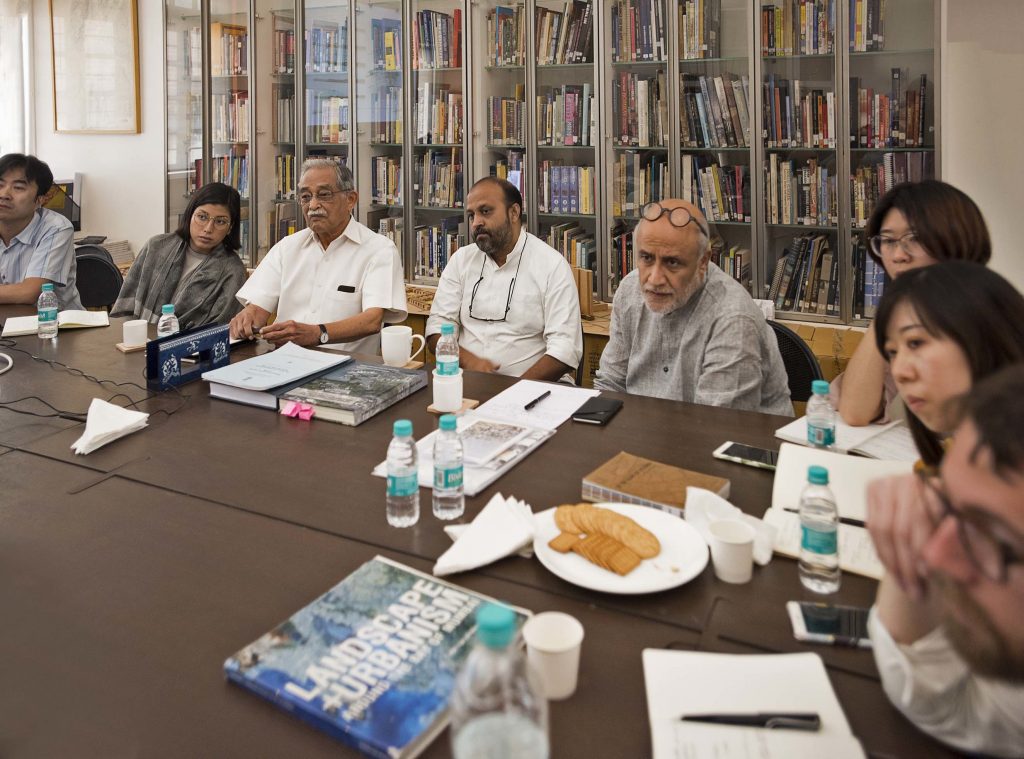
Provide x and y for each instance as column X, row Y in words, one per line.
column 95, row 48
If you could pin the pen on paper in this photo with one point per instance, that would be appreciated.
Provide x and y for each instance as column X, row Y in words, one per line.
column 771, row 720
column 537, row 400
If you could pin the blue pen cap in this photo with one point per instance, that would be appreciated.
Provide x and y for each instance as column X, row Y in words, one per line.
column 168, row 308
column 817, row 475
column 820, row 387
column 447, row 328
column 448, row 422
column 495, row 625
column 403, row 428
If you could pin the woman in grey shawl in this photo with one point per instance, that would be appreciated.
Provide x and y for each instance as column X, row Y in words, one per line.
column 195, row 267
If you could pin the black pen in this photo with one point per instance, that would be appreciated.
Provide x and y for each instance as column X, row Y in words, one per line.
column 771, row 720
column 536, row 400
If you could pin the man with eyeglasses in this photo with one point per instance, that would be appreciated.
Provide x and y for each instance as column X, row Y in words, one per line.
column 512, row 296
column 685, row 330
column 334, row 282
column 35, row 243
column 948, row 622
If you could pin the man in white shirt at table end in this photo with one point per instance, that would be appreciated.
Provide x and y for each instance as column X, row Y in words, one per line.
column 334, row 282
column 511, row 296
column 948, row 622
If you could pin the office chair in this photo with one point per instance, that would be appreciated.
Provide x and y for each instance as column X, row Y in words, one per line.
column 98, row 250
column 801, row 364
column 98, row 280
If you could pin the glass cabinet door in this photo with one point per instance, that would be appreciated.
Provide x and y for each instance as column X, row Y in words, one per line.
column 328, row 107
column 800, row 253
column 566, row 131
column 891, row 122
column 184, row 55
column 438, row 136
column 716, row 124
column 380, row 116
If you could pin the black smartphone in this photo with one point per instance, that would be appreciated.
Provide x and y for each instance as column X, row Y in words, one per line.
column 762, row 458
column 826, row 623
column 597, row 410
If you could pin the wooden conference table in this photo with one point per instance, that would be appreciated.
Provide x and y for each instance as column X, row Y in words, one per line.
column 130, row 574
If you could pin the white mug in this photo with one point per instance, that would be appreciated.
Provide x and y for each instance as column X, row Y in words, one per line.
column 396, row 345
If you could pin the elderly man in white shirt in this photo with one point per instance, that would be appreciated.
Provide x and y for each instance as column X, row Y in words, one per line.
column 512, row 296
column 334, row 282
column 948, row 623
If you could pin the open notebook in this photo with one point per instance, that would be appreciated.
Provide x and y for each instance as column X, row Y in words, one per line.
column 890, row 441
column 689, row 682
column 16, row 326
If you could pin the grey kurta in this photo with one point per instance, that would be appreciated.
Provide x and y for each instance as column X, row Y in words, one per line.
column 716, row 350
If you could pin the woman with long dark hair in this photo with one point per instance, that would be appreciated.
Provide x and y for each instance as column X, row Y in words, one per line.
column 196, row 267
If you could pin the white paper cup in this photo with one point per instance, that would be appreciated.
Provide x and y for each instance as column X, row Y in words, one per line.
column 448, row 392
column 135, row 332
column 553, row 642
column 396, row 345
column 732, row 550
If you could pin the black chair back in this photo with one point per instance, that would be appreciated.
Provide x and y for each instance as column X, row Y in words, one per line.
column 801, row 364
column 98, row 250
column 98, row 280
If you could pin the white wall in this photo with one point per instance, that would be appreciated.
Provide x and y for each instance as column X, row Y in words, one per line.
column 983, row 118
column 123, row 189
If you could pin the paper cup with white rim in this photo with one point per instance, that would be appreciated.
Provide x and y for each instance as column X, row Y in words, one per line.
column 553, row 643
column 732, row 550
column 135, row 333
column 448, row 392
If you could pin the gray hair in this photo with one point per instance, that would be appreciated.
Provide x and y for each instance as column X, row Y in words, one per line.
column 706, row 241
column 342, row 173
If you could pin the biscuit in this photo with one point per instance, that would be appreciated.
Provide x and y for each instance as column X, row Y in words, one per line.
column 564, row 541
column 564, row 519
column 625, row 530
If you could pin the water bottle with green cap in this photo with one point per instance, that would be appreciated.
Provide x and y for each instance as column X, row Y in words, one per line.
column 403, row 493
column 819, row 534
column 821, row 417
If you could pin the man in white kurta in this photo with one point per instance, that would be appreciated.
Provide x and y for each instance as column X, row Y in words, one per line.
column 511, row 296
column 334, row 282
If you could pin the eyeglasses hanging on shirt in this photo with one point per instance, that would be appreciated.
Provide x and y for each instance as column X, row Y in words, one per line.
column 511, row 288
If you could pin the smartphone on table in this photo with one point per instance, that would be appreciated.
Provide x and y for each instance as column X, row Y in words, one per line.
column 829, row 624
column 761, row 458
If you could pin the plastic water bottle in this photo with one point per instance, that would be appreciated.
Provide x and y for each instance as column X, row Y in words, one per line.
column 403, row 496
column 498, row 710
column 447, row 351
column 821, row 417
column 168, row 324
column 46, row 308
column 449, row 501
column 819, row 534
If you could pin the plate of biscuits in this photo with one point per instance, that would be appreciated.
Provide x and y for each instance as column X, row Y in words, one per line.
column 618, row 547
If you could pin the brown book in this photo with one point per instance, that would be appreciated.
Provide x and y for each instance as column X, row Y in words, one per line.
column 626, row 478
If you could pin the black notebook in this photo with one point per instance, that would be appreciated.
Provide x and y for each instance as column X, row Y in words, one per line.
column 597, row 410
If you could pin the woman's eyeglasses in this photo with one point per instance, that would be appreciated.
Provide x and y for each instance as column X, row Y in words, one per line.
column 203, row 218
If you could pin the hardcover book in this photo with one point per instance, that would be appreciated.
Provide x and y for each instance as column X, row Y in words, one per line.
column 626, row 478
column 353, row 393
column 371, row 662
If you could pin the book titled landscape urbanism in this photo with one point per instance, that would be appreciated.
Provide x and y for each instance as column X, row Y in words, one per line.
column 371, row 662
column 353, row 393
column 627, row 478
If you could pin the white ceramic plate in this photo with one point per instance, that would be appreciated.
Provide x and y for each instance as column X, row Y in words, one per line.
column 684, row 554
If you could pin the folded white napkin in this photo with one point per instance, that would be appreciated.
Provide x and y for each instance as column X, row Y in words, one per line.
column 105, row 423
column 454, row 531
column 503, row 527
column 704, row 507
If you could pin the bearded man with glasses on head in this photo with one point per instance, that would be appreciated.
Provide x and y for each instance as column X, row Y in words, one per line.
column 334, row 282
column 685, row 330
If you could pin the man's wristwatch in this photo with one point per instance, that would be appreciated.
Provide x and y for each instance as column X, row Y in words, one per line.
column 323, row 334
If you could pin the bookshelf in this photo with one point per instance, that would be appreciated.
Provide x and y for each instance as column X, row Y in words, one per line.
column 783, row 120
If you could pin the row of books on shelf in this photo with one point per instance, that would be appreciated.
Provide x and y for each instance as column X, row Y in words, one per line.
column 327, row 47
column 798, row 27
column 506, row 36
column 620, row 257
column 641, row 106
column 565, row 36
column 284, row 176
column 800, row 193
column 229, row 49
column 565, row 189
column 438, row 117
column 896, row 119
column 566, row 116
column 327, row 118
column 282, row 220
column 232, row 170
column 870, row 182
column 436, row 243
column 638, row 179
column 284, row 118
column 715, row 112
column 510, row 167
column 734, row 260
column 576, row 244
column 386, row 180
column 438, row 178
column 869, row 280
column 638, row 30
column 505, row 118
column 722, row 193
column 284, row 51
column 700, row 29
column 437, row 40
column 386, row 44
column 386, row 114
column 797, row 117
column 806, row 277
column 230, row 120
column 393, row 228
column 867, row 25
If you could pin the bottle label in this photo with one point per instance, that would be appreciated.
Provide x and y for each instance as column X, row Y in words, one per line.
column 820, row 436
column 403, row 485
column 819, row 541
column 449, row 478
column 48, row 314
column 447, row 368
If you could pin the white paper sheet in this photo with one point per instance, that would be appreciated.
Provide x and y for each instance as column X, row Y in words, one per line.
column 287, row 364
column 856, row 551
column 509, row 405
column 890, row 441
